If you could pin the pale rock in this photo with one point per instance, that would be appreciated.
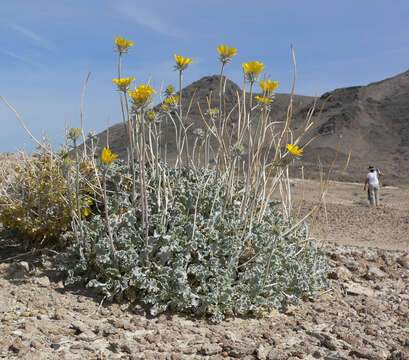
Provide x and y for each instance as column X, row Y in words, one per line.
column 43, row 281
column 357, row 289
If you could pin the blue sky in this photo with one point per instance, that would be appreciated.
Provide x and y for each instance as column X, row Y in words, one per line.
column 48, row 47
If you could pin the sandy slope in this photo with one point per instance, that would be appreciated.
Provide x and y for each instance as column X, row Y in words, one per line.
column 345, row 217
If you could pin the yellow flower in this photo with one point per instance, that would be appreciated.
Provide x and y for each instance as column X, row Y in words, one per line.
column 90, row 202
column 85, row 212
column 123, row 83
column 151, row 115
column 165, row 106
column 226, row 53
column 181, row 62
column 172, row 100
column 268, row 86
column 252, row 70
column 141, row 94
column 107, row 156
column 68, row 161
column 253, row 67
column 264, row 100
column 74, row 134
column 294, row 150
column 213, row 112
column 122, row 45
column 170, row 89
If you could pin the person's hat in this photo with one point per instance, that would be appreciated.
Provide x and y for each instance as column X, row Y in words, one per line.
column 371, row 167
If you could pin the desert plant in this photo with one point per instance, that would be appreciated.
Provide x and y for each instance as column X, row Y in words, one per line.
column 36, row 199
column 200, row 256
column 193, row 237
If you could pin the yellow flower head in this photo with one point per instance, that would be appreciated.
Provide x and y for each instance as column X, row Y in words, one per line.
column 123, row 83
column 294, row 150
column 226, row 53
column 253, row 70
column 165, row 107
column 141, row 94
column 213, row 112
column 122, row 45
column 107, row 156
column 253, row 67
column 264, row 100
column 268, row 86
column 74, row 134
column 170, row 89
column 172, row 100
column 151, row 115
column 86, row 212
column 181, row 62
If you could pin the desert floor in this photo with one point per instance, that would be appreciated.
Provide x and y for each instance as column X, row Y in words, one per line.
column 346, row 218
column 363, row 315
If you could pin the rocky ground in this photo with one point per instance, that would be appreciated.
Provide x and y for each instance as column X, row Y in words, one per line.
column 365, row 315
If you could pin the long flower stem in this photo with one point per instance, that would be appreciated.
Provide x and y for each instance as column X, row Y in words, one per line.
column 144, row 195
column 77, row 189
column 249, row 155
column 180, row 93
column 111, row 240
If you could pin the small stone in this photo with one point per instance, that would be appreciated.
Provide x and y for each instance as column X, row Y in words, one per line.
column 152, row 339
column 36, row 344
column 343, row 274
column 403, row 261
column 357, row 289
column 18, row 270
column 55, row 346
column 43, row 281
column 365, row 354
column 18, row 347
column 79, row 326
column 375, row 273
column 210, row 349
column 262, row 352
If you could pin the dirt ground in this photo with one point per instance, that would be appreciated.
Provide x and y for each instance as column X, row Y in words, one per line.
column 364, row 314
column 346, row 218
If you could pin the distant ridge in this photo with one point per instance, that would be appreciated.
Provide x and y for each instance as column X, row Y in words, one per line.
column 372, row 121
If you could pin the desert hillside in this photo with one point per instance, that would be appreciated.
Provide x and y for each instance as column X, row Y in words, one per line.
column 372, row 123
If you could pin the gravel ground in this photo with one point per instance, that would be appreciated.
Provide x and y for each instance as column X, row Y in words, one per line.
column 365, row 315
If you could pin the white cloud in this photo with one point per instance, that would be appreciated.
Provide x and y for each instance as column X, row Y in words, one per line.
column 36, row 39
column 18, row 57
column 148, row 17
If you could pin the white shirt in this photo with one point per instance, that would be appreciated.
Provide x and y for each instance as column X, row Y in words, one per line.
column 373, row 178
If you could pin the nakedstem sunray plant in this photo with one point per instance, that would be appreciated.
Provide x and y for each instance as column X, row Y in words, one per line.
column 202, row 234
column 107, row 158
column 294, row 149
column 124, row 83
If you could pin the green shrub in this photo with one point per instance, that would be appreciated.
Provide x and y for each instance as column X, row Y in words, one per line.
column 199, row 257
column 36, row 200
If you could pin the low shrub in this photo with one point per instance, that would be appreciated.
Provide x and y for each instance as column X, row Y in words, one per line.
column 36, row 201
column 199, row 256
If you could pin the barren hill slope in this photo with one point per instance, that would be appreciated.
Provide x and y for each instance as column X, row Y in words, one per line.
column 196, row 97
column 373, row 121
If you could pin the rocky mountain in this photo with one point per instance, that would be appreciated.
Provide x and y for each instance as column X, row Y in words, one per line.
column 197, row 97
column 369, row 125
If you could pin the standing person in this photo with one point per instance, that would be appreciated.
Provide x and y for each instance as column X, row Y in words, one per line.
column 372, row 183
